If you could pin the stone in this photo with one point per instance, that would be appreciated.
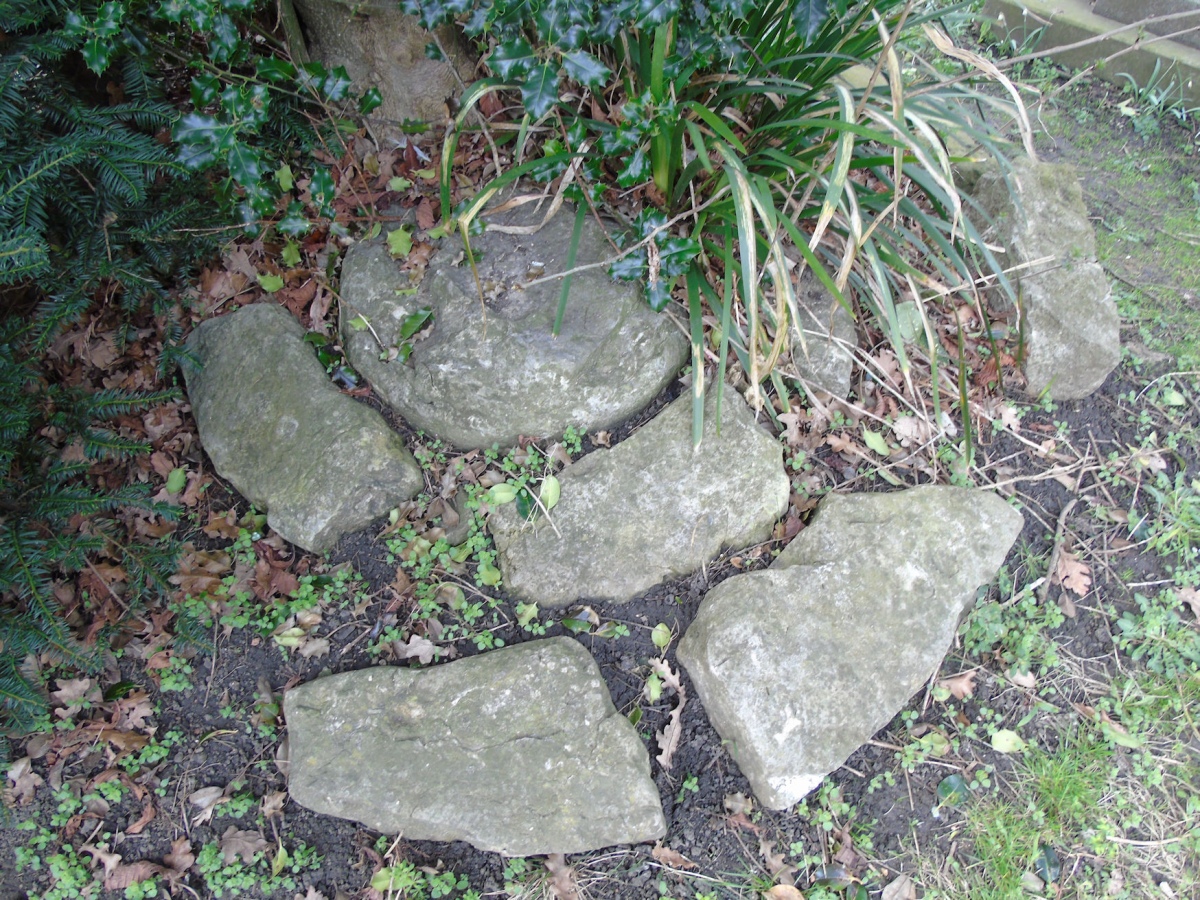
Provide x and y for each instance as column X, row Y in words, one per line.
column 382, row 47
column 649, row 509
column 490, row 372
column 320, row 463
column 518, row 751
column 823, row 351
column 1071, row 325
column 1143, row 12
column 798, row 665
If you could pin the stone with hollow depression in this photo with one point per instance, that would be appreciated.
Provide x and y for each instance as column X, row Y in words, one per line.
column 489, row 368
column 518, row 751
column 798, row 665
column 649, row 509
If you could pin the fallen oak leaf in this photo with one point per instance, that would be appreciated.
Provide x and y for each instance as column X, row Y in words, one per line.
column 127, row 874
column 148, row 813
column 776, row 862
column 900, row 888
column 668, row 738
column 1072, row 573
column 672, row 858
column 783, row 892
column 562, row 878
column 961, row 685
column 206, row 800
column 235, row 843
column 181, row 858
column 24, row 780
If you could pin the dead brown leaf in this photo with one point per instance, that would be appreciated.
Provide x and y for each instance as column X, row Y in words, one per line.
column 272, row 804
column 776, row 863
column 126, row 874
column 1072, row 573
column 783, row 892
column 668, row 737
column 900, row 888
column 206, row 800
column 419, row 647
column 147, row 816
column 562, row 878
column 961, row 685
column 672, row 858
column 1191, row 597
column 738, row 804
column 181, row 858
column 235, row 843
column 24, row 780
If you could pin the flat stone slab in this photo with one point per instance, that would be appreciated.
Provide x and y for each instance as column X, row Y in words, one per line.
column 518, row 751
column 649, row 509
column 1072, row 328
column 320, row 463
column 490, row 369
column 798, row 665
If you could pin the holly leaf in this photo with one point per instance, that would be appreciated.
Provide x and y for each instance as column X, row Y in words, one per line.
column 399, row 243
column 581, row 66
column 270, row 283
column 539, row 91
column 512, row 59
column 636, row 170
column 808, row 16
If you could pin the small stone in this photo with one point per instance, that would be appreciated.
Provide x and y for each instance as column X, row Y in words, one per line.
column 649, row 509
column 797, row 666
column 320, row 463
column 1071, row 328
column 490, row 369
column 823, row 351
column 518, row 751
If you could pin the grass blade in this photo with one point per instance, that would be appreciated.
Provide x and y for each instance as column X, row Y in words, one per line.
column 581, row 212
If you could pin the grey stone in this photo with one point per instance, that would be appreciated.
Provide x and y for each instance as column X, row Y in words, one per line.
column 383, row 48
column 518, row 750
column 1071, row 325
column 490, row 372
column 320, row 463
column 1141, row 11
column 823, row 351
column 799, row 665
column 649, row 509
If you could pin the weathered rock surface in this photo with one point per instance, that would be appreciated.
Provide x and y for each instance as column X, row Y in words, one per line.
column 798, row 665
column 320, row 463
column 382, row 47
column 489, row 372
column 1072, row 330
column 823, row 352
column 648, row 509
column 518, row 750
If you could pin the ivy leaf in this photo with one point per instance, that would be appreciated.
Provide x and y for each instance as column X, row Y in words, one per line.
column 636, row 171
column 489, row 574
column 398, row 184
column 512, row 59
column 808, row 17
column 581, row 66
column 539, row 91
column 399, row 242
column 270, row 283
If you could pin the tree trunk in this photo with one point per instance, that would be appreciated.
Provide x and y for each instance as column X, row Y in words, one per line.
column 381, row 47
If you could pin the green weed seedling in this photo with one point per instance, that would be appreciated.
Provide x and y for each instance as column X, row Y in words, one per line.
column 1158, row 637
column 176, row 676
column 259, row 874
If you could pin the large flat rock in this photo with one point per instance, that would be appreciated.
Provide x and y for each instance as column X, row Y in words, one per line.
column 649, row 509
column 1071, row 325
column 823, row 345
column 320, row 463
column 519, row 751
column 798, row 665
column 491, row 369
